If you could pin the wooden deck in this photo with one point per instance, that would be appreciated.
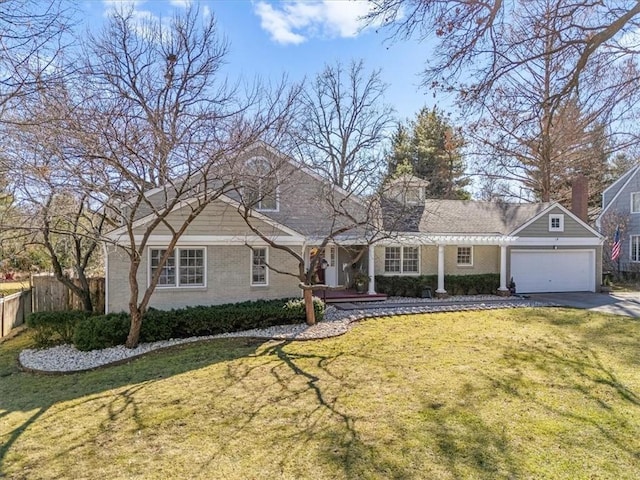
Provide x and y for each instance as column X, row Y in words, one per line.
column 347, row 295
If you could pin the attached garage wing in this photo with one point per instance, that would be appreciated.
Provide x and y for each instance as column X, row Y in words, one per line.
column 539, row 271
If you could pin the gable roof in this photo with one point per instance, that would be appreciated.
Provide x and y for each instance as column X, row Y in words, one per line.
column 460, row 216
column 618, row 186
column 566, row 211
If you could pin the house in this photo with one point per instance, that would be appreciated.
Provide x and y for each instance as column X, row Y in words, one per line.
column 621, row 209
column 221, row 259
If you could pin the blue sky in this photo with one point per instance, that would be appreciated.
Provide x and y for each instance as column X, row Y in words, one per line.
column 269, row 38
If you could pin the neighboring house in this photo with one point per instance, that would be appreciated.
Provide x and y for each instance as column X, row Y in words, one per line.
column 621, row 208
column 219, row 259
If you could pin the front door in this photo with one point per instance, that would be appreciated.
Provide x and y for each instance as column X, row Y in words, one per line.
column 329, row 269
column 331, row 272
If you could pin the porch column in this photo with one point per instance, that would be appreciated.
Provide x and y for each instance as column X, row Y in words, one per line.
column 503, row 269
column 371, row 271
column 440, row 288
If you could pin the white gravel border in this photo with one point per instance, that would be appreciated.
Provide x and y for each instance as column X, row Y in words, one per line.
column 67, row 359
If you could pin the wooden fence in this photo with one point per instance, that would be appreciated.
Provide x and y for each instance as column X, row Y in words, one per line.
column 50, row 295
column 13, row 311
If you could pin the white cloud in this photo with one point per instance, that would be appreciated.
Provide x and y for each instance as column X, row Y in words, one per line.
column 300, row 20
column 180, row 3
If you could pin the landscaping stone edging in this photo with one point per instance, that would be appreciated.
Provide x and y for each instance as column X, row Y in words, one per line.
column 64, row 359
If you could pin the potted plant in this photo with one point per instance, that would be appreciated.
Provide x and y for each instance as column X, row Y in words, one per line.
column 361, row 282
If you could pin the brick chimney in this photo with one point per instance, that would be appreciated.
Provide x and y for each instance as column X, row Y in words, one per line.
column 580, row 198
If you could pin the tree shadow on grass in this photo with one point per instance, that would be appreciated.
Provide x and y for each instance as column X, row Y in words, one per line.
column 34, row 394
column 563, row 374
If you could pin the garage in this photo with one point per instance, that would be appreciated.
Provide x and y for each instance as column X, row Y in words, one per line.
column 538, row 271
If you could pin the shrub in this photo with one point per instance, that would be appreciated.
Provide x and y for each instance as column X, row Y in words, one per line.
column 486, row 283
column 102, row 331
column 295, row 307
column 110, row 330
column 53, row 328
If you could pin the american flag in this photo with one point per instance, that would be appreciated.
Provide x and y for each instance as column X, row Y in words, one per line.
column 615, row 248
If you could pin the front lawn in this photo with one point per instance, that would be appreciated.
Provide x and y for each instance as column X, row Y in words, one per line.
column 522, row 393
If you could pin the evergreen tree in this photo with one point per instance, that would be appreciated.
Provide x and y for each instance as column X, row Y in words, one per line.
column 432, row 147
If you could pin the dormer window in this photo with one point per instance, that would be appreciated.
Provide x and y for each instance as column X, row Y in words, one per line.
column 407, row 189
column 260, row 186
column 413, row 196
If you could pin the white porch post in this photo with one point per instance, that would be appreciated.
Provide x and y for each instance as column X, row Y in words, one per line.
column 371, row 271
column 503, row 269
column 441, row 289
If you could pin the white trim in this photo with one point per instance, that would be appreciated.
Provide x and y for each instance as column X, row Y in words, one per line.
column 560, row 218
column 176, row 253
column 470, row 264
column 631, row 174
column 410, row 238
column 105, row 252
column 266, row 268
column 631, row 249
column 622, row 177
column 565, row 211
column 631, row 210
column 217, row 240
column 401, row 272
column 559, row 241
column 120, row 231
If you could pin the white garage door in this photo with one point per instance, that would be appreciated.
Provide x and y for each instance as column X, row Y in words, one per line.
column 553, row 270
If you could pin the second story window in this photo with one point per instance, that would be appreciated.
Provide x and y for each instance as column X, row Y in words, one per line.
column 261, row 186
column 635, row 202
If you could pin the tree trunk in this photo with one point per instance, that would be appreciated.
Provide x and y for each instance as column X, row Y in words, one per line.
column 86, row 301
column 134, row 332
column 308, row 305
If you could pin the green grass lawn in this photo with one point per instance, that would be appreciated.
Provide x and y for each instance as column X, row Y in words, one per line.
column 513, row 394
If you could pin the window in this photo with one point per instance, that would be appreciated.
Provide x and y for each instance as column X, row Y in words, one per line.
column 410, row 260
column 635, row 248
column 168, row 274
column 192, row 266
column 556, row 223
column 392, row 259
column 190, row 271
column 259, row 266
column 261, row 186
column 635, row 202
column 465, row 256
column 401, row 260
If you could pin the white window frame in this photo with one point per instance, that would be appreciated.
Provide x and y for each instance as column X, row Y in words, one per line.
column 266, row 268
column 470, row 264
column 634, row 248
column 258, row 206
column 176, row 256
column 560, row 218
column 402, row 271
column 632, row 198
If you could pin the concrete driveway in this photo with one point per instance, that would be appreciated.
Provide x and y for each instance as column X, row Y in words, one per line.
column 627, row 303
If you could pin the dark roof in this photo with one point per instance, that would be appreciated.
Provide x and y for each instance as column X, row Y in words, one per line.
column 459, row 216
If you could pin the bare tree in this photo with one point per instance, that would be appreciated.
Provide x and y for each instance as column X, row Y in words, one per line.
column 32, row 37
column 330, row 215
column 159, row 129
column 343, row 123
column 552, row 83
column 474, row 42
